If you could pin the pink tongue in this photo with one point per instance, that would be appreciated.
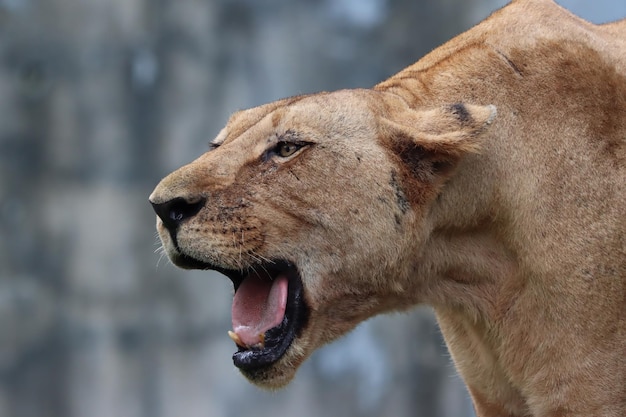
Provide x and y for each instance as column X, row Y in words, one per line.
column 258, row 306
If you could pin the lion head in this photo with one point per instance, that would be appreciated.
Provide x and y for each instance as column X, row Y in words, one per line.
column 316, row 207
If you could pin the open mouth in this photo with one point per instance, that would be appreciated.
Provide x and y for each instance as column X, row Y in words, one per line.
column 268, row 310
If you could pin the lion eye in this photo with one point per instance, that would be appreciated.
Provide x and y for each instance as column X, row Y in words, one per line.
column 286, row 149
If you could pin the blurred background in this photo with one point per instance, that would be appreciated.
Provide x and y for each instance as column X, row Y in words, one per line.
column 99, row 99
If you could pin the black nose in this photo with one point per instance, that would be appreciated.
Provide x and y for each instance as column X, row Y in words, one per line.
column 176, row 211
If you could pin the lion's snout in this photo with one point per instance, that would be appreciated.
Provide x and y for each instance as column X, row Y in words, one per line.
column 175, row 211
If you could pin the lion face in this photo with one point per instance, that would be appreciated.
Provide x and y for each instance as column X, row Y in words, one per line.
column 316, row 208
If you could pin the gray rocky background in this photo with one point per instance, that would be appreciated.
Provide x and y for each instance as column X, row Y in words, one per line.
column 101, row 98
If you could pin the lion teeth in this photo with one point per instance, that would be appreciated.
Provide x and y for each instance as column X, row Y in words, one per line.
column 261, row 343
column 235, row 337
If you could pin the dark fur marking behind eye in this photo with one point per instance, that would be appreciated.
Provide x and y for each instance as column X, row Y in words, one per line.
column 419, row 172
column 413, row 157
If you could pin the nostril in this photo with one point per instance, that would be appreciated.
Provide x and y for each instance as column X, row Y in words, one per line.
column 180, row 209
column 175, row 211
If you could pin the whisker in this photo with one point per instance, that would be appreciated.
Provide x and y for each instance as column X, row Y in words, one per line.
column 159, row 260
column 161, row 251
column 241, row 246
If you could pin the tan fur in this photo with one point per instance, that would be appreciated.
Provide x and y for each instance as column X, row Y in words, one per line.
column 509, row 222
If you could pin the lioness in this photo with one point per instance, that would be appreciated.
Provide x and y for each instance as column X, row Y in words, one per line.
column 487, row 180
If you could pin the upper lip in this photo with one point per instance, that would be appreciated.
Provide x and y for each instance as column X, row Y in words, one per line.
column 278, row 339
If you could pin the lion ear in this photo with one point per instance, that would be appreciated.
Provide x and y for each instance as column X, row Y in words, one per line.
column 451, row 130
